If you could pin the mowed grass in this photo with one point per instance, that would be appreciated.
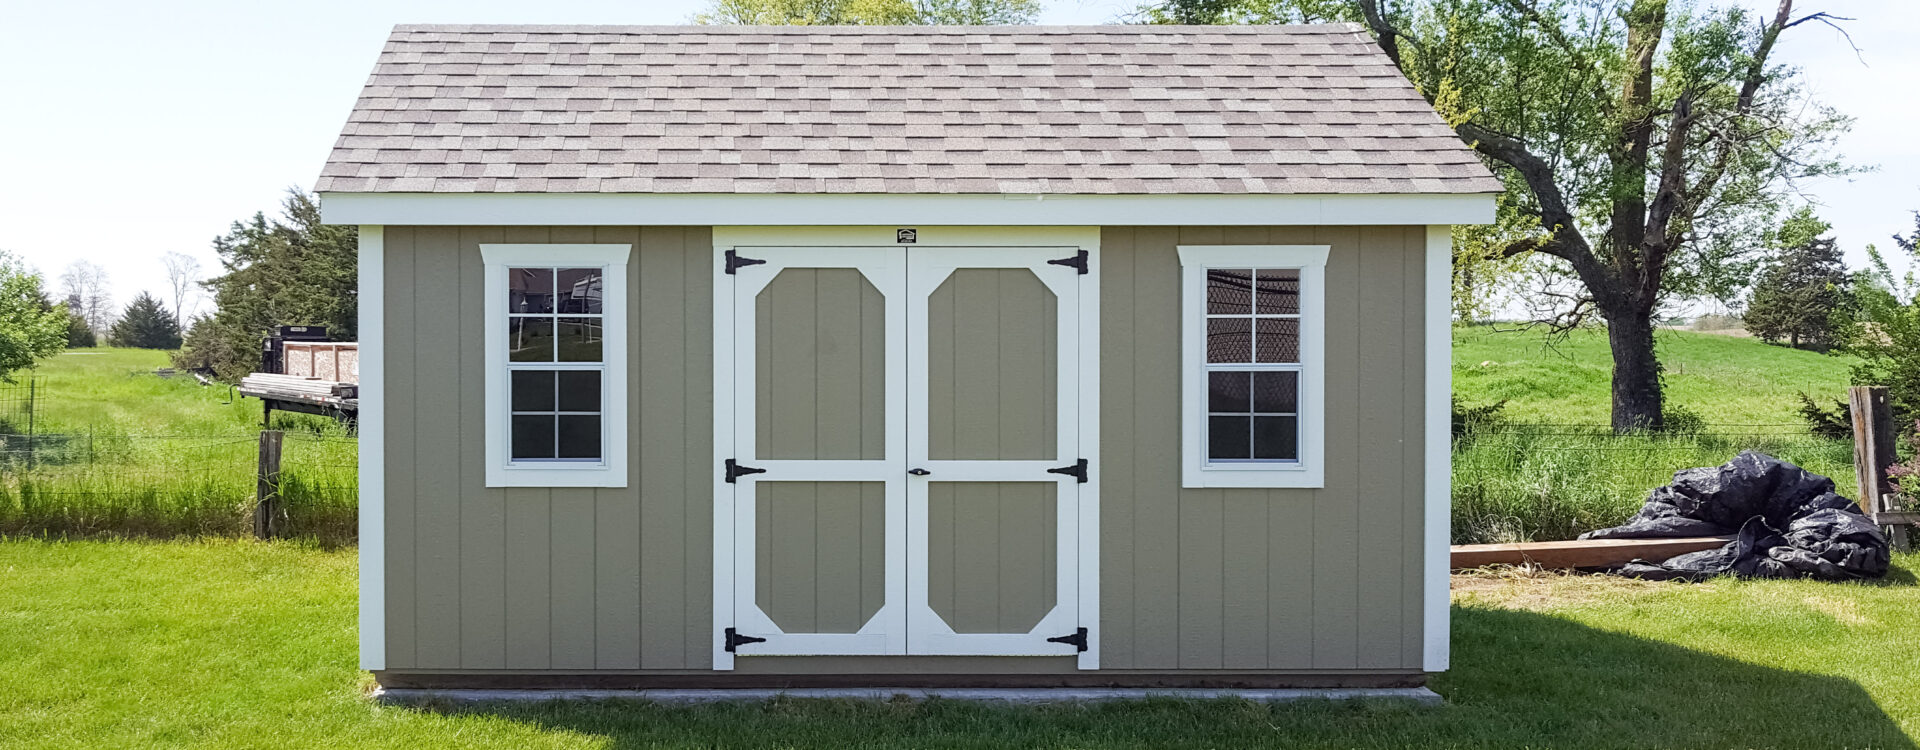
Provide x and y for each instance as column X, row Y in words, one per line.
column 116, row 450
column 233, row 644
column 1727, row 380
column 114, row 391
column 1554, row 469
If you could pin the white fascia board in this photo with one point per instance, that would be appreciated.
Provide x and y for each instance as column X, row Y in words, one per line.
column 627, row 209
column 1438, row 459
column 371, row 425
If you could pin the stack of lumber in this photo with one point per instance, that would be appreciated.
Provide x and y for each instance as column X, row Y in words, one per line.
column 269, row 385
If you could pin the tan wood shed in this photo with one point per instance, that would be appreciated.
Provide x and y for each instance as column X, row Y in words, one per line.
column 1005, row 357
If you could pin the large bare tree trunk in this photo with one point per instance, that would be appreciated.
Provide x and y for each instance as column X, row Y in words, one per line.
column 1636, row 373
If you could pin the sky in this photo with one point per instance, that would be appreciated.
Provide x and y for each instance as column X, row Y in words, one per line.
column 132, row 129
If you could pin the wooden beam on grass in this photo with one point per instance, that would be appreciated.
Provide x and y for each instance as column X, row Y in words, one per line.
column 1581, row 553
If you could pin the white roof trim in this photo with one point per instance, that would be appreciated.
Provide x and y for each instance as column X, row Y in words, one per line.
column 618, row 209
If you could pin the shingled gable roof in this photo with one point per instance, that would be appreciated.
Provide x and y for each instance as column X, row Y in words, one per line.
column 1107, row 110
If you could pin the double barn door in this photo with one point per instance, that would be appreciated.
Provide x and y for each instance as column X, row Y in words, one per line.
column 906, row 471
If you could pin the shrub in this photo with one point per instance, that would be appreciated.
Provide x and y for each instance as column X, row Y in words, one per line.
column 1832, row 423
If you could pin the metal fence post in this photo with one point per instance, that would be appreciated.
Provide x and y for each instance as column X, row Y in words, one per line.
column 266, row 509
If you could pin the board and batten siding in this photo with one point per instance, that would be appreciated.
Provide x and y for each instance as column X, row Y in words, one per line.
column 567, row 579
column 1248, row 579
column 577, row 580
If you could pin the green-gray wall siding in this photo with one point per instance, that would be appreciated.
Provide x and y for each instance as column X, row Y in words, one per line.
column 621, row 579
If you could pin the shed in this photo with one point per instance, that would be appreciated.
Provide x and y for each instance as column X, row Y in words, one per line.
column 901, row 357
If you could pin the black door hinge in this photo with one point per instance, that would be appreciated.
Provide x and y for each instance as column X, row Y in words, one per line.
column 736, row 640
column 735, row 262
column 1078, row 640
column 736, row 471
column 1078, row 471
column 1078, row 262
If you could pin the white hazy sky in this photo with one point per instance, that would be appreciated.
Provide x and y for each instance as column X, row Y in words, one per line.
column 130, row 129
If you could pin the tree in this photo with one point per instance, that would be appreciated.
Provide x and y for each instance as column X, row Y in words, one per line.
column 85, row 285
column 1645, row 144
column 292, row 270
column 1887, row 336
column 869, row 12
column 31, row 327
column 1804, row 293
column 146, row 324
column 79, row 334
column 183, row 274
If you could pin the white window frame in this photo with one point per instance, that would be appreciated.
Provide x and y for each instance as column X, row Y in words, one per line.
column 611, row 470
column 1307, row 472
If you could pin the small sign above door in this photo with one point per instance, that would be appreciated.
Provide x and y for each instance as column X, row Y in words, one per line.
column 906, row 236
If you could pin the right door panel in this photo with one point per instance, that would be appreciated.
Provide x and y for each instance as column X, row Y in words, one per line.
column 991, row 506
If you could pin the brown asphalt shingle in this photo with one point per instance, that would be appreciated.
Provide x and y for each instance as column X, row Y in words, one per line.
column 1023, row 109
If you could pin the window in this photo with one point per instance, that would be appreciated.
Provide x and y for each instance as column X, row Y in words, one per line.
column 556, row 365
column 1252, row 354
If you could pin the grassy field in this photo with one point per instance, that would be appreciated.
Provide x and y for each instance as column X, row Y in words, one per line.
column 1554, row 469
column 230, row 644
column 116, row 449
column 1730, row 381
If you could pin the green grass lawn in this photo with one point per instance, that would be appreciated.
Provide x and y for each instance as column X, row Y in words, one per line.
column 238, row 644
column 1727, row 380
column 114, row 391
column 116, row 449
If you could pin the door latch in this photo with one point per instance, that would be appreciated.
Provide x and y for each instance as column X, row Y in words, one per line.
column 919, row 472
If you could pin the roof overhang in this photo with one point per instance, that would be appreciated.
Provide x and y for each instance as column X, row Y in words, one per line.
column 621, row 209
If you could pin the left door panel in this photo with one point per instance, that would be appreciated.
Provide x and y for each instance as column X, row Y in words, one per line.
column 819, row 494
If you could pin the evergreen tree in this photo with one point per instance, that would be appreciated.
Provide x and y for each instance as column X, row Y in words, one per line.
column 1804, row 292
column 292, row 270
column 79, row 334
column 146, row 324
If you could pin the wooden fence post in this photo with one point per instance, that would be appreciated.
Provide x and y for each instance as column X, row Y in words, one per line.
column 1873, row 452
column 266, row 509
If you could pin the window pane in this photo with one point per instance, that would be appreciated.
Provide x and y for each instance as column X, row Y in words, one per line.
column 579, row 436
column 1279, row 340
column 1227, row 437
column 1229, row 340
column 1276, row 392
column 532, row 390
column 1276, row 438
column 1227, row 391
column 532, row 436
column 579, row 339
column 529, row 290
column 579, row 391
column 1229, row 291
column 1278, row 291
column 579, row 290
column 530, row 339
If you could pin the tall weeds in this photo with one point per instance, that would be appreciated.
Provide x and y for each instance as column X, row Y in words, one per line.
column 1515, row 483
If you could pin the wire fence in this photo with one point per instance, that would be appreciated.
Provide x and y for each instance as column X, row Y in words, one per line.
column 172, row 485
column 18, row 401
column 1524, row 482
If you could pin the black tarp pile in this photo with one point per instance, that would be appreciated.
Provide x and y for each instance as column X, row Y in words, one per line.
column 1789, row 521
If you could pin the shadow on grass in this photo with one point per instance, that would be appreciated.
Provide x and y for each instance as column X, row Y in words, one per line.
column 1519, row 680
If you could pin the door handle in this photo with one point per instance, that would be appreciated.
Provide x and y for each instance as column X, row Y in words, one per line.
column 919, row 472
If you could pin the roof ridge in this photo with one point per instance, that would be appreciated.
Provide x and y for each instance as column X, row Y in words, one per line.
column 1133, row 29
